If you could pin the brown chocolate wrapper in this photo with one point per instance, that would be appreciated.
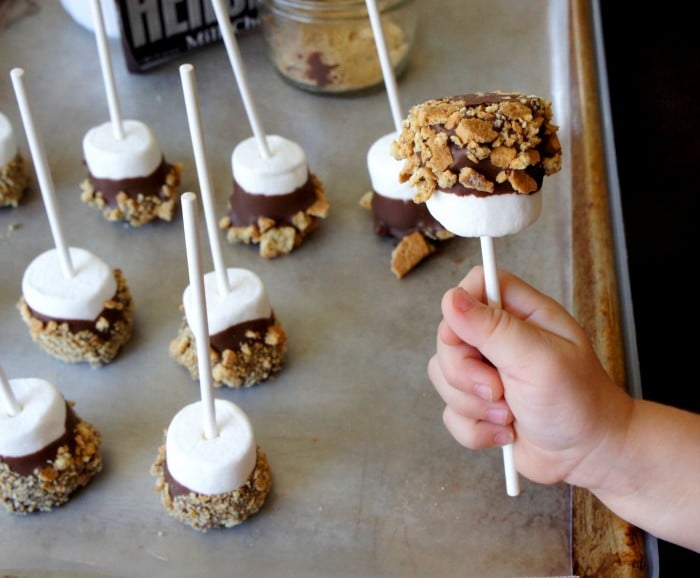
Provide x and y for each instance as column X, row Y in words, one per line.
column 153, row 33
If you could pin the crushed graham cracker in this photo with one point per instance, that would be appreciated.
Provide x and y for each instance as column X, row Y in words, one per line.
column 14, row 180
column 511, row 133
column 259, row 357
column 94, row 347
column 277, row 239
column 204, row 512
column 141, row 209
column 55, row 483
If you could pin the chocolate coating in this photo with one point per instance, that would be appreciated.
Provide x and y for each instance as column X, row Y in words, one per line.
column 489, row 170
column 477, row 98
column 232, row 337
column 484, row 167
column 77, row 325
column 246, row 208
column 148, row 186
column 27, row 465
column 398, row 217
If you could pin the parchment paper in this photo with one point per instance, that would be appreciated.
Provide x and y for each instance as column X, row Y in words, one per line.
column 366, row 480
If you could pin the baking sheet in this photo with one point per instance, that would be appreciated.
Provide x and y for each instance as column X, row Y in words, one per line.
column 366, row 480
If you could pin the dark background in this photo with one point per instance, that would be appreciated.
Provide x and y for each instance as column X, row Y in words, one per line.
column 653, row 69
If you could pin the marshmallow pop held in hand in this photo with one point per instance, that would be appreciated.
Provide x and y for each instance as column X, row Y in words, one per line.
column 14, row 174
column 276, row 201
column 478, row 160
column 47, row 451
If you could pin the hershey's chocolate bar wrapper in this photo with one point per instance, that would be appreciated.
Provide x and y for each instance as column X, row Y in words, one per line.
column 155, row 31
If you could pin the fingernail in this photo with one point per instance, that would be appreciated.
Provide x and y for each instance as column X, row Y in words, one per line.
column 498, row 416
column 461, row 300
column 484, row 392
column 503, row 438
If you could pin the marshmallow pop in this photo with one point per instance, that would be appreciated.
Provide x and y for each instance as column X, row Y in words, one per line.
column 396, row 215
column 47, row 451
column 248, row 343
column 478, row 162
column 14, row 175
column 395, row 212
column 276, row 201
column 210, row 472
column 128, row 177
column 76, row 307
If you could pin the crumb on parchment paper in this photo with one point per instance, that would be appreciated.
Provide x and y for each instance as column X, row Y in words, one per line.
column 11, row 227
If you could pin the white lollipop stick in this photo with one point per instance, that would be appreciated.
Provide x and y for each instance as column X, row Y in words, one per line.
column 107, row 73
column 200, row 330
column 239, row 71
column 8, row 401
column 200, row 156
column 493, row 294
column 42, row 170
column 385, row 62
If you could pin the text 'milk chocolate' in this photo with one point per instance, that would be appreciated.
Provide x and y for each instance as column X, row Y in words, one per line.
column 154, row 31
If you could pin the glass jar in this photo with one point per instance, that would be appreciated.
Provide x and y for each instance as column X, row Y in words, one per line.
column 327, row 46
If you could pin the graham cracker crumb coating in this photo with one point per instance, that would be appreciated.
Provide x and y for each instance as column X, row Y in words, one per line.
column 55, row 483
column 257, row 360
column 14, row 179
column 278, row 239
column 95, row 348
column 511, row 131
column 203, row 512
column 139, row 210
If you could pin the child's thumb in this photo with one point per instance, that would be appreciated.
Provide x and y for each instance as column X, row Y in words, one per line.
column 498, row 335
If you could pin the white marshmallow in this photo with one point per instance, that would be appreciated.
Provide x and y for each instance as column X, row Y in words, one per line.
column 282, row 173
column 81, row 12
column 492, row 216
column 384, row 170
column 48, row 291
column 211, row 466
column 136, row 155
column 8, row 144
column 41, row 420
column 246, row 300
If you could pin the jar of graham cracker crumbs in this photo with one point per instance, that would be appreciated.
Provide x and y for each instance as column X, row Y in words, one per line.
column 327, row 46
